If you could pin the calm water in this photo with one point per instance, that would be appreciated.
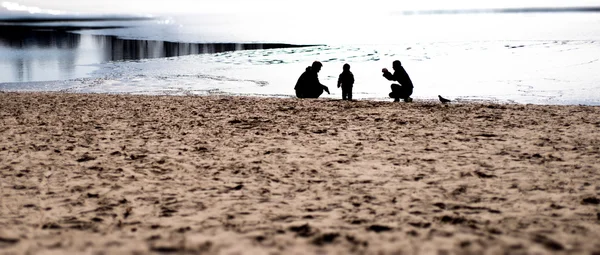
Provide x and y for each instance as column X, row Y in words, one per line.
column 548, row 58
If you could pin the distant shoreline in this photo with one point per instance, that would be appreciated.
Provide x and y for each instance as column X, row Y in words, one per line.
column 109, row 17
column 22, row 28
column 503, row 10
column 67, row 19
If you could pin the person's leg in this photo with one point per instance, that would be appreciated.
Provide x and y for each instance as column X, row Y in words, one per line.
column 349, row 90
column 344, row 93
column 405, row 94
column 319, row 92
column 396, row 91
column 314, row 93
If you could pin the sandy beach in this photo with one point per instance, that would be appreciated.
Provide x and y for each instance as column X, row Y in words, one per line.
column 121, row 174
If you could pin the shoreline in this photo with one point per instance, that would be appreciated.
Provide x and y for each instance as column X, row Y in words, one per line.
column 225, row 174
column 419, row 100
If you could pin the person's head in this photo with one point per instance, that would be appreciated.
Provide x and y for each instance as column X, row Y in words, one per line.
column 316, row 66
column 396, row 64
column 346, row 67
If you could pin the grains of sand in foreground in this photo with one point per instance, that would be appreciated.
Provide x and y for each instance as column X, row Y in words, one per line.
column 118, row 174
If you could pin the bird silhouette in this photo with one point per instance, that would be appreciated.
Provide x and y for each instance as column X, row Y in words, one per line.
column 443, row 100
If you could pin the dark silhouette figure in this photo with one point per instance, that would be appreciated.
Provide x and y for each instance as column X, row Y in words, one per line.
column 405, row 88
column 308, row 85
column 444, row 100
column 346, row 81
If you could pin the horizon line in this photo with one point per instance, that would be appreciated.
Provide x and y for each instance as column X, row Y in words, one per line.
column 17, row 20
column 503, row 10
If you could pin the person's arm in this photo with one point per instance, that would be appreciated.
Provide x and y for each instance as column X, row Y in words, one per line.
column 339, row 82
column 351, row 79
column 326, row 89
column 322, row 86
column 388, row 75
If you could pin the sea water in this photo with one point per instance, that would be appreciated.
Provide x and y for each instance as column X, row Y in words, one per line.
column 541, row 58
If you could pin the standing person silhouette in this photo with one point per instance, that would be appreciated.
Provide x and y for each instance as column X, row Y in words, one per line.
column 346, row 81
column 405, row 88
column 308, row 85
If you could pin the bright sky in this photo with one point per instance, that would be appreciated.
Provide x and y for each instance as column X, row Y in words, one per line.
column 254, row 6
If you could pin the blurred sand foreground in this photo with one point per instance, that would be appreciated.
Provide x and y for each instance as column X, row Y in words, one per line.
column 118, row 174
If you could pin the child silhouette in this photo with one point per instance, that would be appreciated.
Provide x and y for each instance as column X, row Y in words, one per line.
column 346, row 81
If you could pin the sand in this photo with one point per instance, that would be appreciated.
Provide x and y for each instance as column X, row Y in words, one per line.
column 120, row 174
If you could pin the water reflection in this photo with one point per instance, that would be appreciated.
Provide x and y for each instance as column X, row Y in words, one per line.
column 29, row 54
column 120, row 49
column 21, row 37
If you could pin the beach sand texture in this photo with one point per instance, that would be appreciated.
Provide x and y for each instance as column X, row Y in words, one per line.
column 121, row 174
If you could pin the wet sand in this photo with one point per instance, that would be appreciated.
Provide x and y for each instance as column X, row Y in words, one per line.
column 87, row 173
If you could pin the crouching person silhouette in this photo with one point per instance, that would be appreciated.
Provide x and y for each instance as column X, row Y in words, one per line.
column 308, row 85
column 405, row 88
